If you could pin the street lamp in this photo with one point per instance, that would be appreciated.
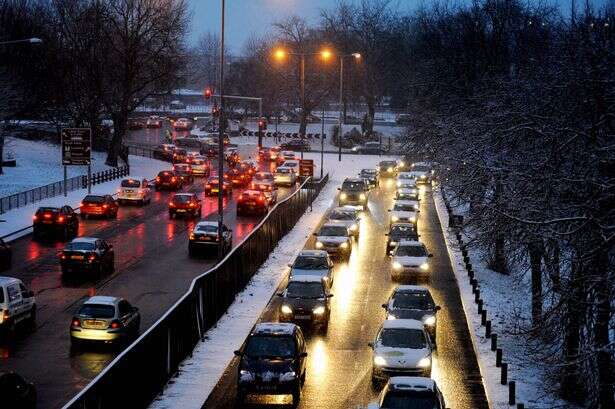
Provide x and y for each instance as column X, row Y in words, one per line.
column 221, row 142
column 33, row 40
column 357, row 57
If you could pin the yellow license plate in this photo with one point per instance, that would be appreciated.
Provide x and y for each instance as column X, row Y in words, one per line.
column 76, row 257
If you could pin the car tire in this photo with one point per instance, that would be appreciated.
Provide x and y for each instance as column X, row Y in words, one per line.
column 82, row 216
column 171, row 215
column 296, row 395
column 32, row 318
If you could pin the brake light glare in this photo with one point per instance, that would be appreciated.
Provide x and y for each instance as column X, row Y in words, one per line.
column 60, row 219
column 115, row 325
column 75, row 323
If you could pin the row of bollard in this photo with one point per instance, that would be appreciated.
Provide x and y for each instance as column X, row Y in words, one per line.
column 455, row 222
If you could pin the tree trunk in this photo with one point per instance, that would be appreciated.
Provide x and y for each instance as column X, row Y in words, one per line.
column 552, row 264
column 571, row 385
column 536, row 252
column 120, row 120
column 371, row 113
column 2, row 126
column 601, row 336
column 303, row 122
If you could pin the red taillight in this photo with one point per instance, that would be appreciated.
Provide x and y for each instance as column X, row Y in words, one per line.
column 208, row 186
column 75, row 323
column 173, row 179
column 157, row 178
column 63, row 256
column 91, row 257
column 35, row 217
column 115, row 324
column 60, row 219
column 105, row 206
column 81, row 204
column 171, row 204
column 47, row 215
column 261, row 199
column 192, row 204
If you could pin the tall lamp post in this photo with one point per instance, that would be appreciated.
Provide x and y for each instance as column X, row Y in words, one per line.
column 357, row 57
column 221, row 142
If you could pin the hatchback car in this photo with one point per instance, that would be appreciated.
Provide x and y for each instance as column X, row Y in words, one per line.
column 313, row 263
column 212, row 187
column 413, row 302
column 370, row 176
column 237, row 177
column 98, row 205
column 105, row 319
column 252, row 202
column 387, row 169
column 401, row 348
column 87, row 254
column 184, row 172
column 346, row 216
column 269, row 189
column 185, row 204
column 398, row 232
column 306, row 299
column 404, row 212
column 410, row 259
column 334, row 239
column 167, row 179
column 354, row 192
column 285, row 176
column 17, row 304
column 6, row 255
column 272, row 361
column 204, row 239
column 16, row 392
column 134, row 190
column 410, row 392
column 49, row 221
column 200, row 167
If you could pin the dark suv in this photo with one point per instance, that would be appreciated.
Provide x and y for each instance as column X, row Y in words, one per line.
column 55, row 220
column 306, row 299
column 354, row 192
column 168, row 179
column 272, row 361
column 416, row 303
column 399, row 232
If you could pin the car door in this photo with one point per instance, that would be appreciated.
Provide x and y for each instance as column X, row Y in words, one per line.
column 27, row 298
column 107, row 250
column 302, row 350
column 15, row 301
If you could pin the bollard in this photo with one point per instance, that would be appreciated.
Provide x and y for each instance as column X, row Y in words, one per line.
column 477, row 295
column 470, row 273
column 494, row 342
column 504, row 377
column 474, row 287
column 487, row 329
column 483, row 317
column 511, row 393
column 520, row 406
column 468, row 266
column 498, row 357
column 480, row 306
column 464, row 252
column 466, row 260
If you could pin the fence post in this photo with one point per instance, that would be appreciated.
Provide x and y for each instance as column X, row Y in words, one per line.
column 504, row 374
column 511, row 393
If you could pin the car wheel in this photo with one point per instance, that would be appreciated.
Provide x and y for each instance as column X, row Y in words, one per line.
column 296, row 395
column 171, row 215
column 32, row 318
column 82, row 215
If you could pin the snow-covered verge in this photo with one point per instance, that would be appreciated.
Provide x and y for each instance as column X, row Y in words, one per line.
column 38, row 164
column 505, row 297
column 21, row 217
column 198, row 375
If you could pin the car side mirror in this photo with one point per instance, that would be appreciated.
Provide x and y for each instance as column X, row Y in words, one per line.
column 384, row 306
column 280, row 294
column 430, row 255
column 370, row 344
column 303, row 355
column 329, row 295
column 29, row 293
column 238, row 353
column 438, row 308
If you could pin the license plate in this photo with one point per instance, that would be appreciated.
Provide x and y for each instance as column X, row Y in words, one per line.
column 250, row 204
column 181, row 210
column 47, row 221
column 302, row 317
column 206, row 238
column 215, row 190
column 76, row 257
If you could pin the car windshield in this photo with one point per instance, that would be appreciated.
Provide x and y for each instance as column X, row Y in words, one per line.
column 411, row 251
column 404, row 207
column 94, row 199
column 97, row 311
column 130, row 183
column 165, row 174
column 412, row 301
column 47, row 210
column 80, row 245
column 421, row 168
column 333, row 231
column 197, row 162
column 298, row 289
column 402, row 338
column 356, row 186
column 207, row 228
column 409, row 400
column 311, row 263
column 387, row 164
column 398, row 230
column 283, row 170
column 368, row 172
column 182, row 198
column 270, row 346
column 339, row 215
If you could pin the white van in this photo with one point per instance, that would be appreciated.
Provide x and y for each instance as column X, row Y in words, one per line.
column 17, row 303
column 134, row 190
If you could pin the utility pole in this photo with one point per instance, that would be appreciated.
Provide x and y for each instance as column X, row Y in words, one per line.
column 221, row 143
column 341, row 114
column 302, row 133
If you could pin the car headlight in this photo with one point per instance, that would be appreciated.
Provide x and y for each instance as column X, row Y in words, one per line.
column 354, row 227
column 393, row 243
column 394, row 218
column 412, row 219
column 402, row 163
column 397, row 265
column 244, row 372
column 343, row 196
column 391, row 317
column 286, row 309
column 424, row 363
column 319, row 310
column 414, row 191
column 430, row 320
column 398, row 184
column 424, row 267
column 389, row 169
column 379, row 361
column 362, row 196
column 423, row 176
column 416, row 207
column 344, row 245
column 319, row 245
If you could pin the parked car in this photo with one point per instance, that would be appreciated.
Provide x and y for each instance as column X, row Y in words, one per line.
column 273, row 360
column 413, row 302
column 185, row 204
column 354, row 192
column 410, row 392
column 134, row 190
column 88, row 255
column 252, row 202
column 410, row 259
column 17, row 304
column 98, row 205
column 168, row 179
column 6, row 255
column 53, row 221
column 334, row 239
column 306, row 298
column 104, row 319
column 16, row 392
column 204, row 239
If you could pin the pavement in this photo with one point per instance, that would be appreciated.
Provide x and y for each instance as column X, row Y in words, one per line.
column 339, row 361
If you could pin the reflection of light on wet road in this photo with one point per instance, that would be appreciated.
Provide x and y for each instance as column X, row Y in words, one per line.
column 318, row 362
column 170, row 231
column 345, row 283
column 89, row 364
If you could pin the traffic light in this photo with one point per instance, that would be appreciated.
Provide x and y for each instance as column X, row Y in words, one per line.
column 215, row 111
column 262, row 124
column 207, row 93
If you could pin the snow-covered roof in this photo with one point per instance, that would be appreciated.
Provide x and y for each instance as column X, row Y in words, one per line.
column 330, row 224
column 183, row 194
column 102, row 299
column 404, row 224
column 412, row 383
column 313, row 253
column 206, row 223
column 354, row 180
column 84, row 240
column 306, row 278
column 277, row 328
column 410, row 289
column 413, row 243
column 405, row 190
column 348, row 209
column 403, row 324
column 8, row 280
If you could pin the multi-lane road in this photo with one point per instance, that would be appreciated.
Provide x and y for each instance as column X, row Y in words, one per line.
column 339, row 362
column 152, row 270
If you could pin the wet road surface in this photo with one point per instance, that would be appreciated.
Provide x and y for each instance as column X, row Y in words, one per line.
column 339, row 362
column 152, row 270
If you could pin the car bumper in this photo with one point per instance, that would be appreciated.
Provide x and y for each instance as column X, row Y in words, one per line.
column 251, row 209
column 268, row 388
column 384, row 373
column 104, row 335
column 70, row 267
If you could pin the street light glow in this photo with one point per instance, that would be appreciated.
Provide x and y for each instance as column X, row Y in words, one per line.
column 326, row 54
column 357, row 56
column 35, row 40
column 279, row 54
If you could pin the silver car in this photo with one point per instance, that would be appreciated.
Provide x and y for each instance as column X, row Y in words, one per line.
column 105, row 319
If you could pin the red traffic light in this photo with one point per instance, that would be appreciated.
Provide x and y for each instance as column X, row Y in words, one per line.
column 262, row 124
column 207, row 93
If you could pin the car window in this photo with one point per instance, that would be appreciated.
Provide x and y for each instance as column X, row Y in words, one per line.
column 333, row 231
column 94, row 199
column 411, row 251
column 404, row 207
column 402, row 338
column 182, row 198
column 130, row 183
column 208, row 228
column 13, row 292
column 283, row 170
column 347, row 185
column 265, row 346
column 80, row 245
column 413, row 301
column 409, row 400
column 124, row 308
column 339, row 215
column 298, row 289
column 311, row 263
column 420, row 168
column 97, row 311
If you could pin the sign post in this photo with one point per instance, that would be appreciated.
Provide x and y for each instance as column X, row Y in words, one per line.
column 306, row 167
column 77, row 150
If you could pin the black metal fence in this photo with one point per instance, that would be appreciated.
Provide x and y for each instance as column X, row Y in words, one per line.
column 138, row 374
column 57, row 188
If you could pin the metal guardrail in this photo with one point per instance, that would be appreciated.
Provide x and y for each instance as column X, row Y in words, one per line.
column 138, row 374
column 57, row 188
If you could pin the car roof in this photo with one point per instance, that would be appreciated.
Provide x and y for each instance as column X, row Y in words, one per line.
column 207, row 223
column 84, row 240
column 410, row 289
column 331, row 224
column 405, row 189
column 183, row 194
column 354, row 180
column 252, row 192
column 348, row 209
column 274, row 328
column 306, row 278
column 8, row 280
column 403, row 324
column 413, row 243
column 102, row 299
column 403, row 224
column 414, row 383
column 313, row 253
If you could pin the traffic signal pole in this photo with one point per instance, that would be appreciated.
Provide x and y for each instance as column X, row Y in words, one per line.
column 221, row 145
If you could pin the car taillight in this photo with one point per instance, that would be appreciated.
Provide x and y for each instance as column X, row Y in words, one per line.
column 208, row 186
column 75, row 323
column 261, row 199
column 157, row 178
column 171, row 204
column 191, row 236
column 116, row 324
column 81, row 204
column 60, row 219
column 92, row 257
column 105, row 206
column 173, row 179
column 47, row 215
column 63, row 256
column 35, row 217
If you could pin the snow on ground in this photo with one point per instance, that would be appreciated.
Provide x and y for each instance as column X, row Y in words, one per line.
column 198, row 375
column 21, row 217
column 507, row 300
column 39, row 164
